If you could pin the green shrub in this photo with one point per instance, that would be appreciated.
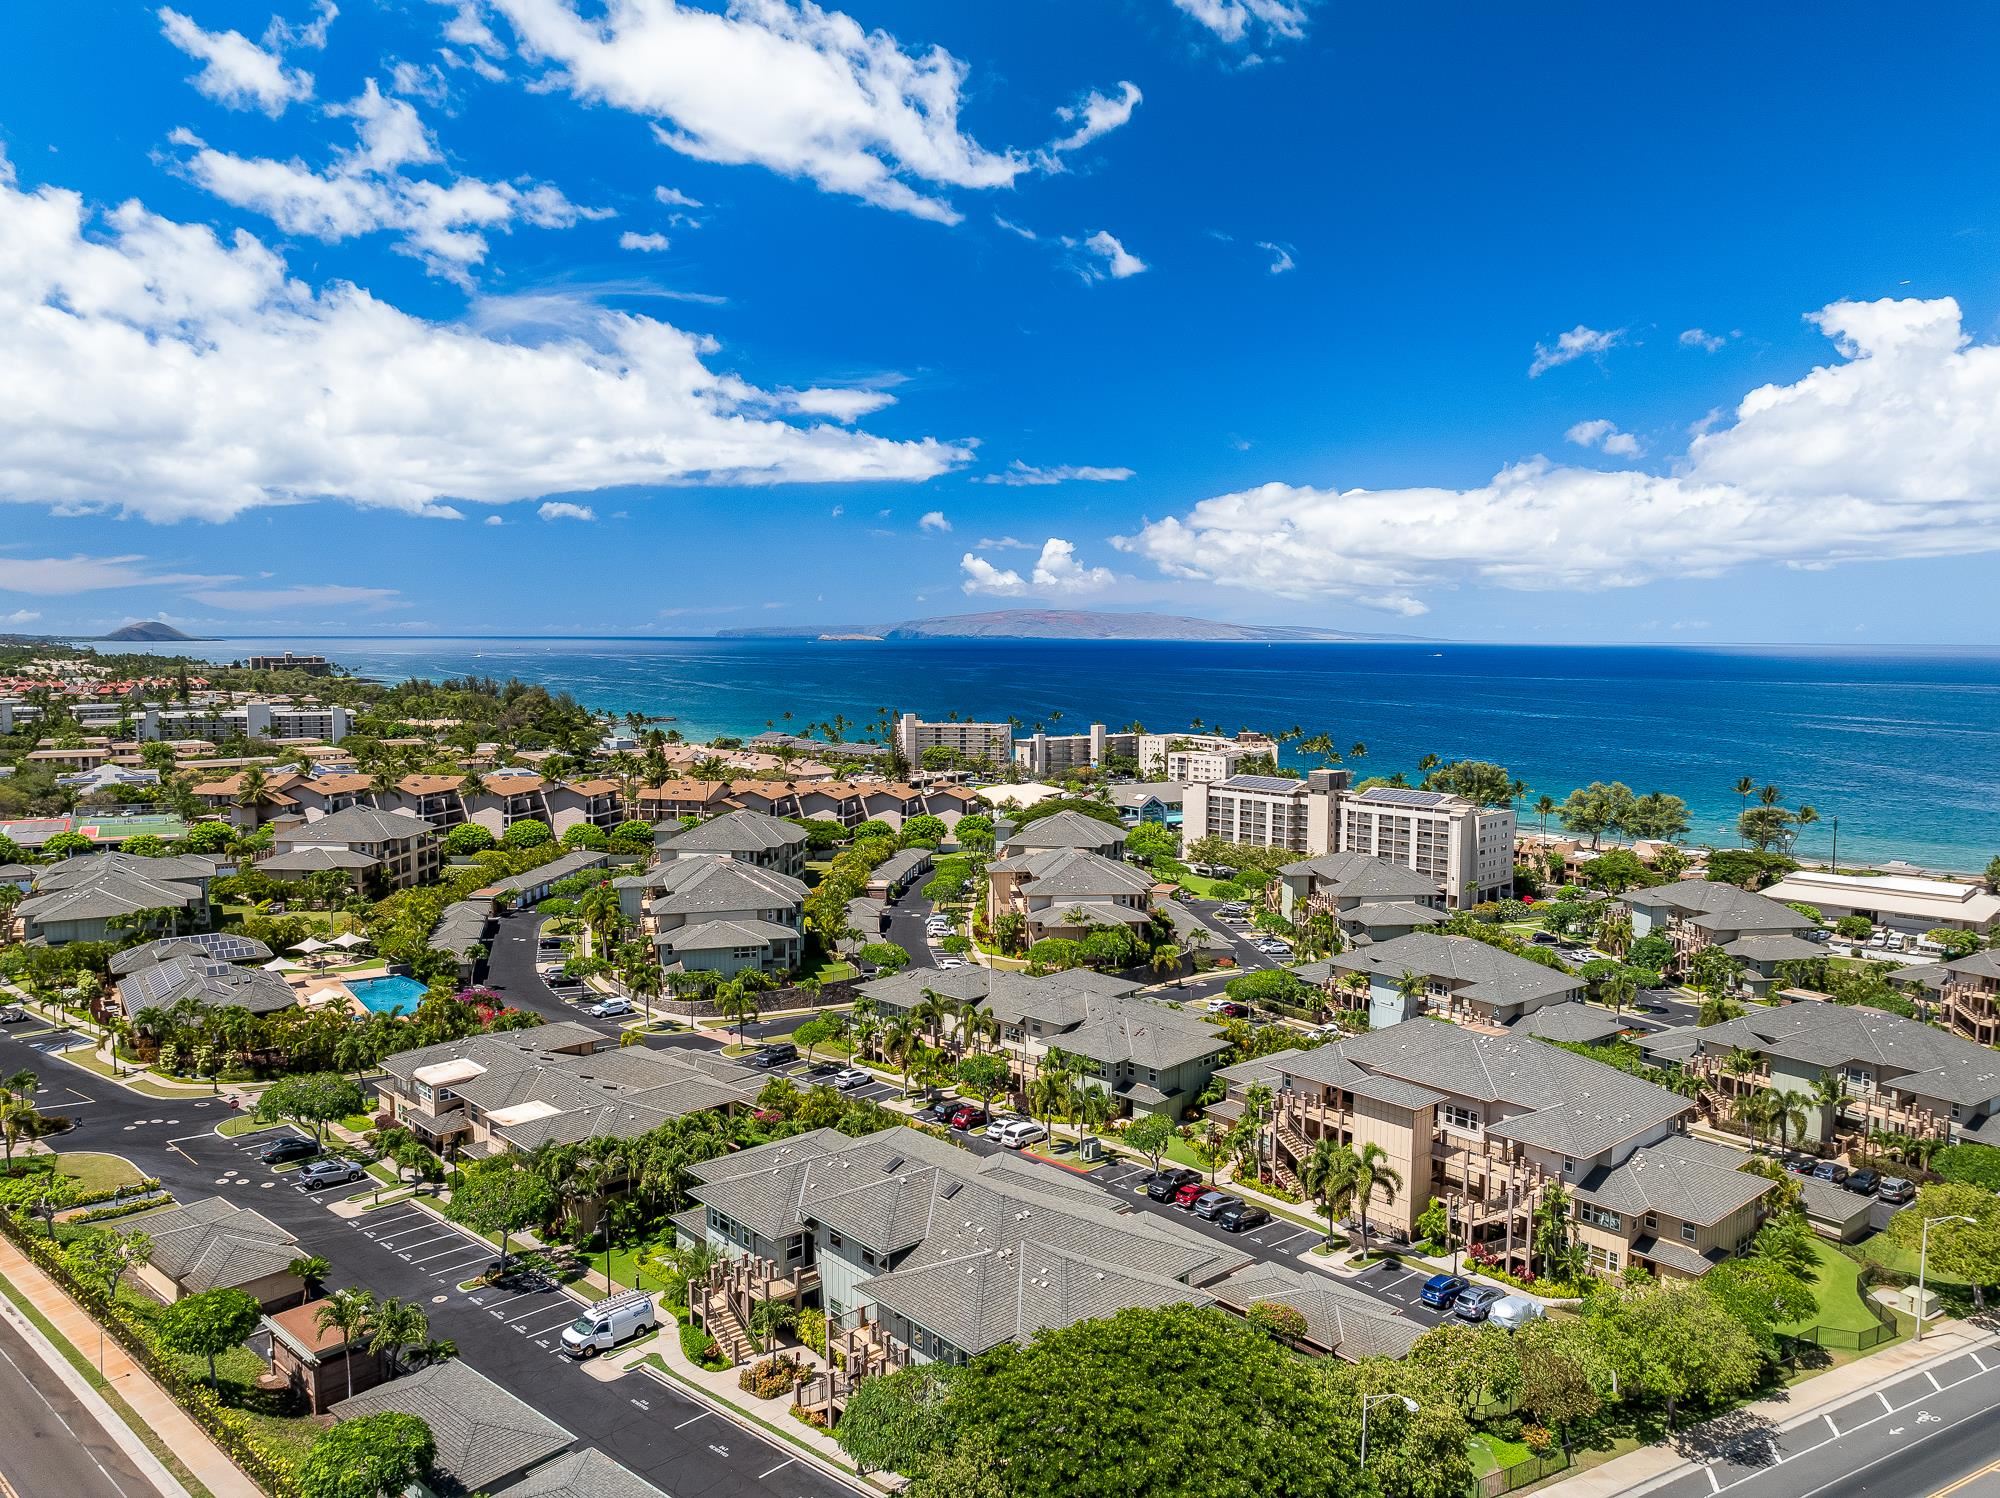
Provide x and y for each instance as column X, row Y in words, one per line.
column 1969, row 1164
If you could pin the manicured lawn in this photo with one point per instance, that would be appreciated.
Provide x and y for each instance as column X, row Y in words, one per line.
column 1880, row 1250
column 93, row 1172
column 1180, row 1153
column 1838, row 1292
column 625, row 1268
column 1490, row 1453
column 360, row 1123
column 1197, row 884
column 243, row 1123
column 835, row 972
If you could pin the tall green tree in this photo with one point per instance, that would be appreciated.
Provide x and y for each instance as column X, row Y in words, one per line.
column 207, row 1324
column 372, row 1456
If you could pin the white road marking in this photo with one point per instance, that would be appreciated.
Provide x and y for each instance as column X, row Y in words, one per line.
column 1933, row 1378
column 779, row 1468
column 1830, row 1425
column 696, row 1421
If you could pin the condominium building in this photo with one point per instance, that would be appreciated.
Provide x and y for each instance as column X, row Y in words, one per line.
column 1150, row 1057
column 1066, row 891
column 558, row 1083
column 1695, row 914
column 394, row 849
column 1492, row 1122
column 978, row 743
column 1187, row 757
column 1448, row 977
column 1969, row 994
column 1266, row 811
column 1892, row 1074
column 746, row 836
column 85, row 898
column 1067, row 829
column 312, row 665
column 1341, row 884
column 714, row 913
column 1054, row 755
column 1465, row 851
column 1468, row 849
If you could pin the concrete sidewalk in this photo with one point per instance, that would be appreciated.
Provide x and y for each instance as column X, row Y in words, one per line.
column 1652, row 1466
column 148, row 1400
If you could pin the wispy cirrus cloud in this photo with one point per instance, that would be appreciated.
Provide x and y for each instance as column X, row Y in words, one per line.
column 1578, row 343
column 1020, row 475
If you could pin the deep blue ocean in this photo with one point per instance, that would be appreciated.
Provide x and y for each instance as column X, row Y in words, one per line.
column 1903, row 747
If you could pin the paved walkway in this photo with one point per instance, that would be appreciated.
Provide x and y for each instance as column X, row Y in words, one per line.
column 148, row 1400
column 1653, row 1466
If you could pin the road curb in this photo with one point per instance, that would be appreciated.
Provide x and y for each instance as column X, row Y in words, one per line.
column 737, row 1418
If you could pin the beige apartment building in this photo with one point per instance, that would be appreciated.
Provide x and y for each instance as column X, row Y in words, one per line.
column 1186, row 758
column 987, row 743
column 1050, row 756
column 1466, row 851
column 1490, row 1122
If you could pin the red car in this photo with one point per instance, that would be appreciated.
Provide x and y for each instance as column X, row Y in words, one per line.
column 1186, row 1196
column 968, row 1117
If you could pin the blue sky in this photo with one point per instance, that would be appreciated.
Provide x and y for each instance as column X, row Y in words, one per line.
column 551, row 316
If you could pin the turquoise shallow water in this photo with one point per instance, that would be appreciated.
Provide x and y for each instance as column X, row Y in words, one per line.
column 388, row 995
column 1902, row 746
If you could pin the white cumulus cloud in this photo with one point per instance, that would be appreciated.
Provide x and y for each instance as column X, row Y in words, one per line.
column 1056, row 571
column 934, row 520
column 20, row 616
column 1232, row 20
column 798, row 89
column 1093, row 116
column 1891, row 450
column 368, row 189
column 1579, row 342
column 152, row 368
column 1604, row 436
column 1112, row 258
column 1019, row 475
column 1704, row 340
column 238, row 73
column 556, row 509
column 651, row 244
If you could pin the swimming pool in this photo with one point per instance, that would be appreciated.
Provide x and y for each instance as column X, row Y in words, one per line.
column 388, row 995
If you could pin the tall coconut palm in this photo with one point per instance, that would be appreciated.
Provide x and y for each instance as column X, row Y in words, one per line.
column 1545, row 807
column 1330, row 1174
column 1787, row 1115
column 1373, row 1175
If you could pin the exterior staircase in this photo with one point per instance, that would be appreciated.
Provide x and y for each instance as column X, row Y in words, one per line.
column 723, row 1324
column 1292, row 1143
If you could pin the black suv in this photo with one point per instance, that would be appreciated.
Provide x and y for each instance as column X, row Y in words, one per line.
column 1161, row 1188
column 288, row 1149
column 775, row 1055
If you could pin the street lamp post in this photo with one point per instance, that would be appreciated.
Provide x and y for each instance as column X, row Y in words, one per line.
column 1923, row 1263
column 1368, row 1400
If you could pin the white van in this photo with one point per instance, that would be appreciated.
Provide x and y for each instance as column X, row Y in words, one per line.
column 1018, row 1133
column 609, row 1322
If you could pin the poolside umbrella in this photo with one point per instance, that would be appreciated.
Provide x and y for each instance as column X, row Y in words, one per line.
column 349, row 940
column 327, row 996
column 311, row 944
column 282, row 965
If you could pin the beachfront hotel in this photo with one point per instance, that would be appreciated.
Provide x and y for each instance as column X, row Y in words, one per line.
column 977, row 743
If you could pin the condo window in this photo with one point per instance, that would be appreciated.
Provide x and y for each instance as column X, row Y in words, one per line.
column 1459, row 1116
column 1687, row 1231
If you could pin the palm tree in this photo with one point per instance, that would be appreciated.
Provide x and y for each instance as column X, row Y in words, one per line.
column 1741, row 1062
column 1787, row 1115
column 737, row 1000
column 398, row 1324
column 1829, row 1091
column 352, row 1314
column 1411, row 987
column 1048, row 1095
column 1754, row 1110
column 1166, row 963
column 1373, row 1172
column 1258, row 1099
column 1545, row 808
column 1330, row 1174
column 898, row 1040
column 930, row 1013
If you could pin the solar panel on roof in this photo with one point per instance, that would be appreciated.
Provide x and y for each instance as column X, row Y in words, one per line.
column 1396, row 796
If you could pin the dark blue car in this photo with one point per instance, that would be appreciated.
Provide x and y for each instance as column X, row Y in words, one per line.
column 1441, row 1290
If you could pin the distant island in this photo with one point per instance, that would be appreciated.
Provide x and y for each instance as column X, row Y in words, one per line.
column 150, row 629
column 1062, row 624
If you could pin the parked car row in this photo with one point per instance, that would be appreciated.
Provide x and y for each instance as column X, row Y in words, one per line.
column 1469, row 1302
column 1894, row 1190
column 1185, row 1189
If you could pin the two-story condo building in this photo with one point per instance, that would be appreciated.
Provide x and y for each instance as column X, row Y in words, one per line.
column 79, row 898
column 1459, row 979
column 747, row 836
column 1697, row 913
column 1151, row 1057
column 1066, row 891
column 391, row 849
column 713, row 913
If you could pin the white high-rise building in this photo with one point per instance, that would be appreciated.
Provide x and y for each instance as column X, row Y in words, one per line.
column 987, row 743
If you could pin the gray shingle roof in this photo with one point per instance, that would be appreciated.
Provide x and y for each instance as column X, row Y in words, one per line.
column 1341, row 1319
column 1711, row 905
column 735, row 832
column 312, row 860
column 1773, row 948
column 221, row 945
column 358, row 824
column 483, row 1433
column 1676, row 1255
column 1075, row 872
column 1570, row 1022
column 1689, row 1179
column 1913, row 1057
column 211, row 984
column 690, row 886
column 710, row 936
column 1362, row 876
column 214, row 1244
column 1066, row 829
column 1474, row 969
column 1551, row 1097
column 581, row 1474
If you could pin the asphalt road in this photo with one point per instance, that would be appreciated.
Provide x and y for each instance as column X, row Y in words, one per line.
column 1917, row 1435
column 906, row 928
column 50, row 1444
column 403, row 1252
